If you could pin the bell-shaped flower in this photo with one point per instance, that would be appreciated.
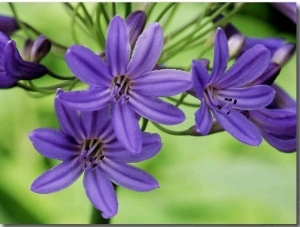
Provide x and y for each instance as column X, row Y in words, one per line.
column 127, row 82
column 13, row 68
column 225, row 94
column 86, row 144
column 8, row 25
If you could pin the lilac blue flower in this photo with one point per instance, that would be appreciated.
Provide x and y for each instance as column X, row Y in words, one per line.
column 86, row 143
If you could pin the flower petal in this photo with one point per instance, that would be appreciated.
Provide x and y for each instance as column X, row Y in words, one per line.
column 151, row 146
column 282, row 99
column 87, row 66
column 128, row 176
column 100, row 192
column 8, row 24
column 68, row 119
column 87, row 100
column 248, row 98
column 53, row 144
column 203, row 119
column 247, row 68
column 126, row 127
column 164, row 82
column 239, row 127
column 57, row 178
column 117, row 49
column 281, row 143
column 135, row 22
column 147, row 51
column 221, row 55
column 200, row 77
column 156, row 110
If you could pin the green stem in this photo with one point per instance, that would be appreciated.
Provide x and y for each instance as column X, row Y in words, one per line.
column 165, row 10
column 144, row 124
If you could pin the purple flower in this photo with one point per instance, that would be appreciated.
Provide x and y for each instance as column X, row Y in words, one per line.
column 125, row 83
column 135, row 22
column 34, row 51
column 226, row 93
column 13, row 68
column 86, row 143
column 8, row 25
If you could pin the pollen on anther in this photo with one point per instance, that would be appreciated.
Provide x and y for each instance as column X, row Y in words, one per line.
column 234, row 102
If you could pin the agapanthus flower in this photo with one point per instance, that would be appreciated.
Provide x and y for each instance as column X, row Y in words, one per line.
column 86, row 143
column 13, row 68
column 125, row 83
column 226, row 94
column 8, row 25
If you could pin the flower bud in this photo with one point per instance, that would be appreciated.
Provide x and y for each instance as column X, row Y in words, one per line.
column 283, row 54
column 235, row 44
column 8, row 25
column 34, row 51
column 135, row 22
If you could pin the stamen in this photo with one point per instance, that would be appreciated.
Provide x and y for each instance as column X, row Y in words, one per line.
column 120, row 88
column 234, row 102
column 91, row 153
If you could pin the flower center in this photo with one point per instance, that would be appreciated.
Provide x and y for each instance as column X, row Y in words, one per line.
column 120, row 88
column 91, row 153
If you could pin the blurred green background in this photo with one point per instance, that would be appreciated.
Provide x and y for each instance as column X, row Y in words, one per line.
column 203, row 180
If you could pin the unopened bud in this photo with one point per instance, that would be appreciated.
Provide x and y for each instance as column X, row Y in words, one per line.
column 235, row 44
column 283, row 54
column 135, row 22
column 40, row 48
column 8, row 25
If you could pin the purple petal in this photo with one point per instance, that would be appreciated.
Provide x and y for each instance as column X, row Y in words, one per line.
column 147, row 51
column 247, row 68
column 221, row 55
column 68, row 119
column 282, row 99
column 88, row 67
column 126, row 127
column 94, row 122
column 135, row 22
column 156, row 110
column 164, row 82
column 280, row 143
column 248, row 98
column 53, row 144
column 16, row 67
column 151, row 146
column 117, row 48
column 269, row 75
column 87, row 100
column 200, row 77
column 203, row 119
column 128, row 176
column 100, row 192
column 272, row 44
column 239, row 127
column 57, row 178
column 8, row 25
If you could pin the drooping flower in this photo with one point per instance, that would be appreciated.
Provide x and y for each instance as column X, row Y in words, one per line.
column 86, row 143
column 226, row 93
column 13, row 68
column 125, row 83
column 8, row 25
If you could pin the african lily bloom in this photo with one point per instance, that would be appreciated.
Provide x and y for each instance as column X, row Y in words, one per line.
column 127, row 84
column 86, row 143
column 8, row 25
column 226, row 93
column 13, row 68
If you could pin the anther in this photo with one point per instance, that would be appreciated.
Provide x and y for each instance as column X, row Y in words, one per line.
column 228, row 112
column 219, row 107
column 234, row 102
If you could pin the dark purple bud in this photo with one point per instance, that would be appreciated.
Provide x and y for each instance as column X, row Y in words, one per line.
column 8, row 25
column 135, row 22
column 34, row 51
column 283, row 54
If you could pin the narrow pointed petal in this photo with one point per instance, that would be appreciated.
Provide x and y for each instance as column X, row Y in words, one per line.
column 239, row 127
column 221, row 55
column 53, row 144
column 68, row 119
column 281, row 143
column 248, row 98
column 151, row 146
column 94, row 122
column 57, row 178
column 247, row 68
column 88, row 67
column 164, row 82
column 135, row 22
column 147, row 51
column 200, row 77
column 87, row 100
column 16, row 67
column 117, row 48
column 100, row 192
column 129, row 176
column 126, row 127
column 156, row 110
column 203, row 119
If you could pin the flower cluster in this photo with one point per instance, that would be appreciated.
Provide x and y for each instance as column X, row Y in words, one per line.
column 128, row 84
